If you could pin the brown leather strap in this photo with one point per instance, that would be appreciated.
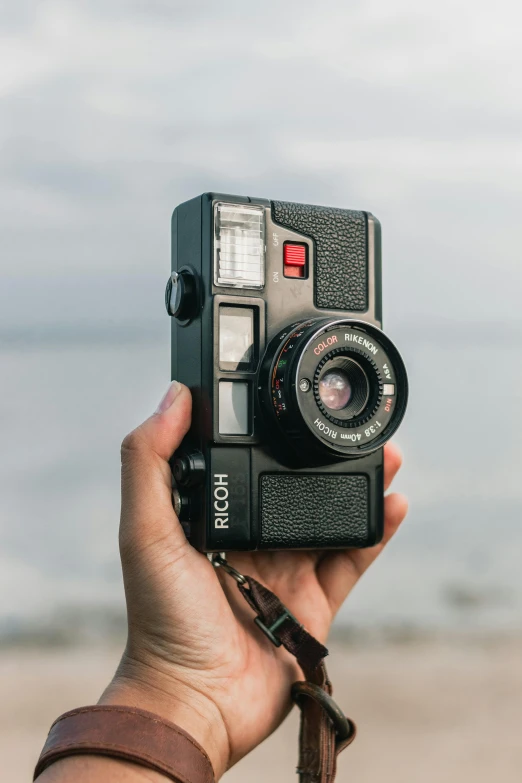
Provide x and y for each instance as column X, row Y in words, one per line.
column 320, row 737
column 130, row 734
column 325, row 731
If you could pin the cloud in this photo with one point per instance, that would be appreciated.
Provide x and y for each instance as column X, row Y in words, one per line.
column 114, row 111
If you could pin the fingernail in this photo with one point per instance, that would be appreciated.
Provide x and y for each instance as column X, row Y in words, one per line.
column 170, row 395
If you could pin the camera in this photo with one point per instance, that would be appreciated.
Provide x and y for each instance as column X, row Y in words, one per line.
column 276, row 329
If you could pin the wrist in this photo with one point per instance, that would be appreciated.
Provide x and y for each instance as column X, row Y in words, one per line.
column 141, row 685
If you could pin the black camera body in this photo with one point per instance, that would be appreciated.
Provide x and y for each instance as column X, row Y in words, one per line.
column 276, row 330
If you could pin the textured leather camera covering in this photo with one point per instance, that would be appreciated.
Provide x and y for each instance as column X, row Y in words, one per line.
column 340, row 237
column 300, row 511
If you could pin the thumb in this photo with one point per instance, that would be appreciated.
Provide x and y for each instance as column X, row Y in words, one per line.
column 147, row 515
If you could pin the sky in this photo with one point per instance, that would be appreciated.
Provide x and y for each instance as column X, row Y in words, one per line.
column 114, row 111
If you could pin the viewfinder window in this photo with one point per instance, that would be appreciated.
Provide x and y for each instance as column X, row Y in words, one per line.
column 236, row 338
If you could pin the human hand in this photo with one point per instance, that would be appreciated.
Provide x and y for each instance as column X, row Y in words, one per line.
column 193, row 654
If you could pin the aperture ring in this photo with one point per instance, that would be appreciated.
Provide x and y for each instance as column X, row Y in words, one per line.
column 370, row 411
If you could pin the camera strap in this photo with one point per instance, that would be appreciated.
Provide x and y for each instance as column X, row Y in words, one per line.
column 325, row 731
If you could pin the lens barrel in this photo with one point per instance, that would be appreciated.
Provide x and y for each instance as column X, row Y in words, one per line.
column 339, row 386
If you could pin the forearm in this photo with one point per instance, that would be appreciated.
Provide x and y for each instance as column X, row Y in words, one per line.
column 92, row 769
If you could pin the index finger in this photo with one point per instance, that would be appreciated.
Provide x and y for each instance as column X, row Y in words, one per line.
column 392, row 463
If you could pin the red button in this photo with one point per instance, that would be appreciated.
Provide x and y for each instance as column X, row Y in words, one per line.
column 294, row 255
column 294, row 260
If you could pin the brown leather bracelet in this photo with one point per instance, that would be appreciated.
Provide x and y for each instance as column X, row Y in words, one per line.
column 130, row 734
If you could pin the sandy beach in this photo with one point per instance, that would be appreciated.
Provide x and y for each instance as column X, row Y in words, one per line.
column 427, row 710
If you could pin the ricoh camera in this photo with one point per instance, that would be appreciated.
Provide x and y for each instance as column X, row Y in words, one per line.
column 276, row 329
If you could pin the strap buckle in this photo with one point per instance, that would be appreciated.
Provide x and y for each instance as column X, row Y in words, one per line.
column 219, row 560
column 269, row 631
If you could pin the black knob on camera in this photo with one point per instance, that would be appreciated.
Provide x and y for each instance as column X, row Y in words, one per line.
column 181, row 504
column 189, row 469
column 181, row 295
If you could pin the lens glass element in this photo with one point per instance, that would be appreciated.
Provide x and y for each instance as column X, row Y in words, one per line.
column 335, row 389
column 343, row 387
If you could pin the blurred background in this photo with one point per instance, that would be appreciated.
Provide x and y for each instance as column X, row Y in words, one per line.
column 114, row 111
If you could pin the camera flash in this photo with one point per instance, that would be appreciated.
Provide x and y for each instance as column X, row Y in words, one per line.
column 239, row 245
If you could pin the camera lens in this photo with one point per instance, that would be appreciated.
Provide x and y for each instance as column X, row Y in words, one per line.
column 342, row 386
column 335, row 389
column 357, row 393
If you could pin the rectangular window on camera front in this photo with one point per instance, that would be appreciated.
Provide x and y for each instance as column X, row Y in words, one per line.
column 237, row 344
column 234, row 408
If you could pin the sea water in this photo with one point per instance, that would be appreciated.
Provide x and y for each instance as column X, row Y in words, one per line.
column 68, row 399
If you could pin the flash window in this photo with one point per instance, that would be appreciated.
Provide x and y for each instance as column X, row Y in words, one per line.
column 239, row 246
